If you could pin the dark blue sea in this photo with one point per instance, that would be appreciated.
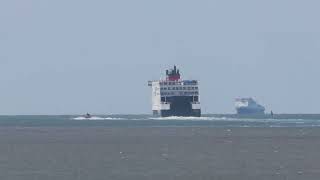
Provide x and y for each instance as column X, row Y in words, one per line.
column 217, row 120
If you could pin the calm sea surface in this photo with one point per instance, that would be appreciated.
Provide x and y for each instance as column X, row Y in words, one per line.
column 292, row 120
column 140, row 147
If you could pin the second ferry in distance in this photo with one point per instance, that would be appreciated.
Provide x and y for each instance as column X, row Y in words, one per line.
column 174, row 96
column 248, row 106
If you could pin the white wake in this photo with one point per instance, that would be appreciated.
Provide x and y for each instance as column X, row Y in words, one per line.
column 96, row 118
column 189, row 118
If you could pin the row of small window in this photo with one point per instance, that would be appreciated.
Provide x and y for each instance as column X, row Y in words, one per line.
column 179, row 88
column 180, row 93
column 170, row 83
column 180, row 83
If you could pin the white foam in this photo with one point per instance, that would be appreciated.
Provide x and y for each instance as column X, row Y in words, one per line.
column 111, row 118
column 91, row 118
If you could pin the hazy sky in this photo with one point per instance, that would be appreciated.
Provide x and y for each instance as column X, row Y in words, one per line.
column 78, row 56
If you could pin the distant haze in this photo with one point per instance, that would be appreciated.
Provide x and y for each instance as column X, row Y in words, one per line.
column 76, row 56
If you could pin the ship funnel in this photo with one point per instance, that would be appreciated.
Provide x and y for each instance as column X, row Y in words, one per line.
column 173, row 74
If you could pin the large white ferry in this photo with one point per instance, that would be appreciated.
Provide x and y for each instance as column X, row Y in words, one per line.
column 174, row 96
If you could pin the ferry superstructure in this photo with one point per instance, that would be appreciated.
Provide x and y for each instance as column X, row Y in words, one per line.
column 174, row 96
column 248, row 106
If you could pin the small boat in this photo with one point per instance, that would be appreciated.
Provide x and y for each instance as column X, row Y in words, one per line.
column 87, row 116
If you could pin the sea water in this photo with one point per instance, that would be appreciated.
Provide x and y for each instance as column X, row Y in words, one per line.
column 142, row 147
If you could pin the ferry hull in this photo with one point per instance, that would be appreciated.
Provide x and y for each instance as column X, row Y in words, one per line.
column 179, row 106
column 245, row 111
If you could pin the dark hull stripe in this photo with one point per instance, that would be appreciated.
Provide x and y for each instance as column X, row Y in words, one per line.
column 179, row 106
column 249, row 111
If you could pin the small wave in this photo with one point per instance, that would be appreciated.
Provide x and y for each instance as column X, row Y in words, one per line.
column 300, row 122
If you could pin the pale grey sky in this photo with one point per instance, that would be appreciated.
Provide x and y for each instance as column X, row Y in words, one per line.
column 78, row 56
